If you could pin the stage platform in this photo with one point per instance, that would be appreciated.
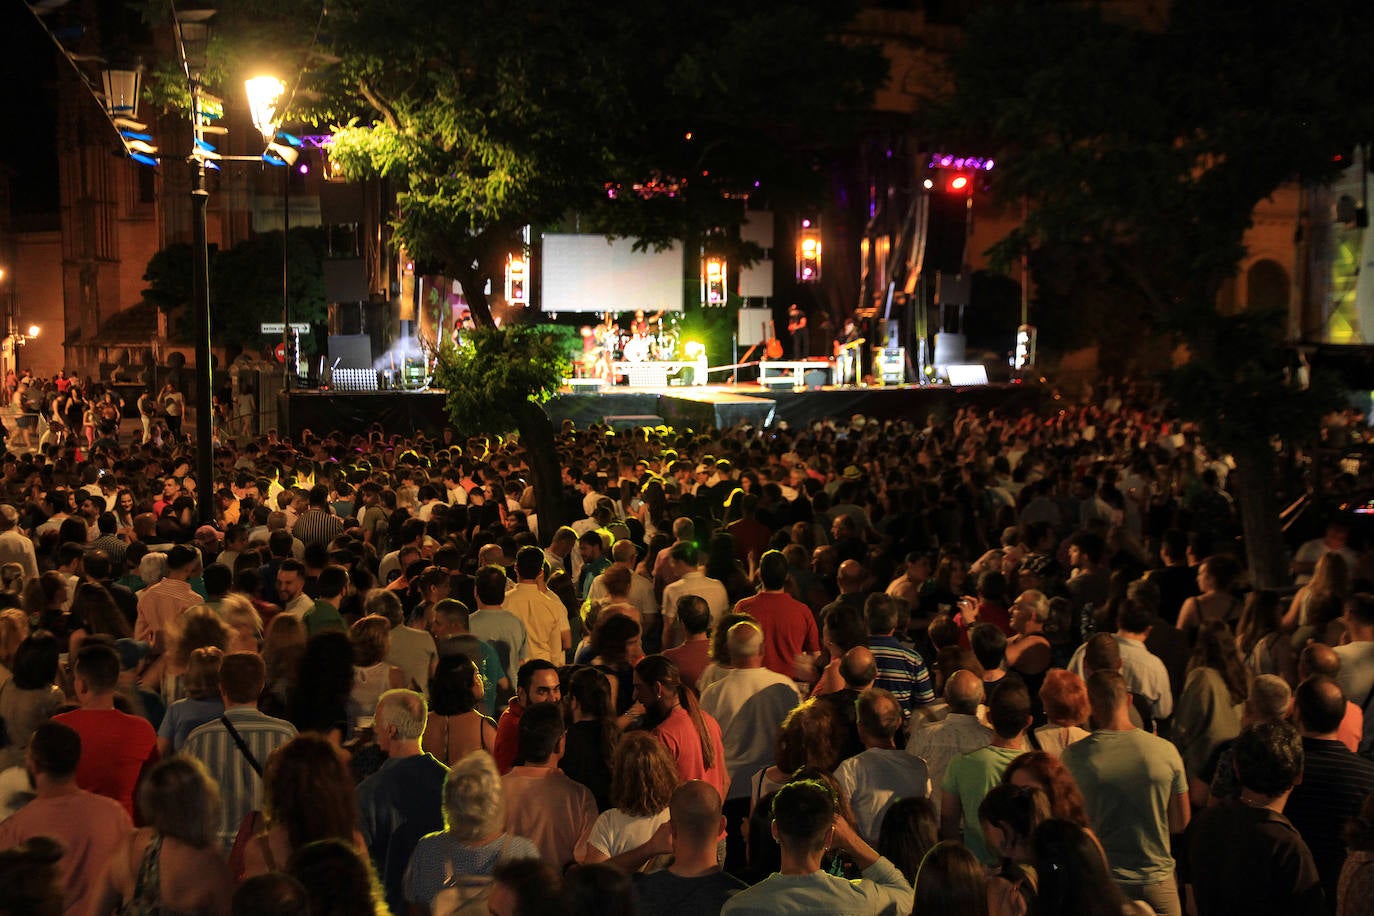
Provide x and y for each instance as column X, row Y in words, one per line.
column 693, row 406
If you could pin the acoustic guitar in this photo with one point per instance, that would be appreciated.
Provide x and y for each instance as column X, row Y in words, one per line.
column 772, row 348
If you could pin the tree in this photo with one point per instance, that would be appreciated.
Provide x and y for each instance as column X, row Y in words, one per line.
column 245, row 286
column 1143, row 153
column 647, row 119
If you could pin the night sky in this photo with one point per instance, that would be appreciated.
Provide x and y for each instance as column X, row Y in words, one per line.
column 28, row 75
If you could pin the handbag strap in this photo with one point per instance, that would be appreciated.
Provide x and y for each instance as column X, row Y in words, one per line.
column 238, row 740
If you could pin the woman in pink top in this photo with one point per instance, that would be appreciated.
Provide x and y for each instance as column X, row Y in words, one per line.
column 691, row 735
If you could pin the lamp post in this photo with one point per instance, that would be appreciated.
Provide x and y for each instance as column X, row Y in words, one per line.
column 192, row 37
column 264, row 97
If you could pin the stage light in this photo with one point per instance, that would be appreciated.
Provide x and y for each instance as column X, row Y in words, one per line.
column 515, row 280
column 958, row 183
column 809, row 252
column 713, row 281
column 694, row 349
column 928, row 184
column 33, row 330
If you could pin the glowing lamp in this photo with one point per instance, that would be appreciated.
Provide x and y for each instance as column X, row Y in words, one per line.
column 264, row 94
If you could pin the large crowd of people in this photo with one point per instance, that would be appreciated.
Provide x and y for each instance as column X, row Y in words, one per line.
column 970, row 664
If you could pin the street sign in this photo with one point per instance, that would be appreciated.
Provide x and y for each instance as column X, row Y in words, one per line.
column 270, row 327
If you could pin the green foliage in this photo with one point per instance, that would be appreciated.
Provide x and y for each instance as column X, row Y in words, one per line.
column 245, row 286
column 1142, row 155
column 489, row 116
column 494, row 369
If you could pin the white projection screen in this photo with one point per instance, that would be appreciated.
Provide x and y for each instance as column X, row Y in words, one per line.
column 586, row 273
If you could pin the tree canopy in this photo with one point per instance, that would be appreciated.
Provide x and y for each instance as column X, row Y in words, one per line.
column 245, row 286
column 1142, row 153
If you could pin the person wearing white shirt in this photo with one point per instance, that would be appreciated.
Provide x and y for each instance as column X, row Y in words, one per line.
column 958, row 733
column 1144, row 672
column 684, row 562
column 641, row 591
column 882, row 774
column 749, row 702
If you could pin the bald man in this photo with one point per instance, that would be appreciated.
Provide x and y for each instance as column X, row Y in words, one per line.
column 1318, row 658
column 958, row 733
column 750, row 702
column 859, row 669
column 882, row 774
column 694, row 883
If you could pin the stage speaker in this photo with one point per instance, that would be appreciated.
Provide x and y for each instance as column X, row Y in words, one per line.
column 949, row 348
column 345, row 280
column 953, row 289
column 815, row 378
column 340, row 202
column 353, row 351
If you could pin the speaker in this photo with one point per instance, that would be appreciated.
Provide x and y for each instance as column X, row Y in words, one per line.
column 753, row 326
column 815, row 378
column 949, row 348
column 953, row 289
column 345, row 280
column 340, row 202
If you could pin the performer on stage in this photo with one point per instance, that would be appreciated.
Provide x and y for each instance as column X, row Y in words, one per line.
column 801, row 335
column 847, row 347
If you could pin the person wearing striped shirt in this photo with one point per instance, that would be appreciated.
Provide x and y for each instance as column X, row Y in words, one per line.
column 239, row 773
column 317, row 525
column 901, row 671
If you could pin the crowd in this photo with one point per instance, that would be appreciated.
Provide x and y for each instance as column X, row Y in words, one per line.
column 975, row 664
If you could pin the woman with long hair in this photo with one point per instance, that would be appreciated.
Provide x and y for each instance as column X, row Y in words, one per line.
column 44, row 600
column 643, row 777
column 1215, row 577
column 951, row 882
column 283, row 646
column 372, row 674
column 675, row 717
column 1074, row 880
column 1329, row 587
column 337, row 880
column 722, row 566
column 320, row 703
column 1208, row 710
column 1008, row 816
column 174, row 864
column 910, row 828
column 14, row 629
column 198, row 628
column 94, row 612
column 456, row 727
column 308, row 795
column 593, row 732
column 1039, row 770
column 1263, row 647
column 616, row 648
column 811, row 737
column 30, row 696
column 474, row 839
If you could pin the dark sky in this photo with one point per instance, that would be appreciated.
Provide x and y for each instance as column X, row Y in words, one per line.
column 28, row 68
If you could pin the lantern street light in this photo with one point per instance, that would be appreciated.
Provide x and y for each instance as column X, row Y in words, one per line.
column 264, row 102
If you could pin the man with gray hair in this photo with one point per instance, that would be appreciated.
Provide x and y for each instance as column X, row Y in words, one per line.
column 15, row 547
column 403, row 800
column 958, row 733
column 750, row 702
column 882, row 774
column 1269, row 701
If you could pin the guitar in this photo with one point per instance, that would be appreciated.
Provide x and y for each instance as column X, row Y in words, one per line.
column 852, row 345
column 772, row 348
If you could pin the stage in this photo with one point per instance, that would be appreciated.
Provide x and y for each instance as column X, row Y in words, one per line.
column 692, row 406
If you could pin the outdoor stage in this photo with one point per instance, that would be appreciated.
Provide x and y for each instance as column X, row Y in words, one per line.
column 689, row 406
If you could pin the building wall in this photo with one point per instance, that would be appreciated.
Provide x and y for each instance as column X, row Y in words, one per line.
column 37, row 292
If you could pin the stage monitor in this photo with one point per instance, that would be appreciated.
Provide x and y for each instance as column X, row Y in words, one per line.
column 967, row 374
column 587, row 273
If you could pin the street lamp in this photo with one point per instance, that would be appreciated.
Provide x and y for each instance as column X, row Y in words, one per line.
column 264, row 102
column 192, row 28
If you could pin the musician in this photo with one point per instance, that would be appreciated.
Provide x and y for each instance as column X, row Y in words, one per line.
column 801, row 335
column 847, row 347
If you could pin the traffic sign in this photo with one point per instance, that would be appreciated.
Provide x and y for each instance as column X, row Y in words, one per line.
column 276, row 327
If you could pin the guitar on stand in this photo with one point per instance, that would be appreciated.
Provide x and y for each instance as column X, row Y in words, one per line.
column 772, row 347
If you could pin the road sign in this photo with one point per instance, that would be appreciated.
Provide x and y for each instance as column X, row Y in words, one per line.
column 276, row 327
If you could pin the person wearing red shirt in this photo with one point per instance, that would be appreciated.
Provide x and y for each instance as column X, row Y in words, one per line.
column 789, row 627
column 694, row 655
column 535, row 682
column 115, row 746
column 689, row 733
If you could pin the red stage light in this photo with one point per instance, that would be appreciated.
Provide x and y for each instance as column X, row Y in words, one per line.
column 958, row 183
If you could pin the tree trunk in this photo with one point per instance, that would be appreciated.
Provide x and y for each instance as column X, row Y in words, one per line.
column 536, row 434
column 1259, row 515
